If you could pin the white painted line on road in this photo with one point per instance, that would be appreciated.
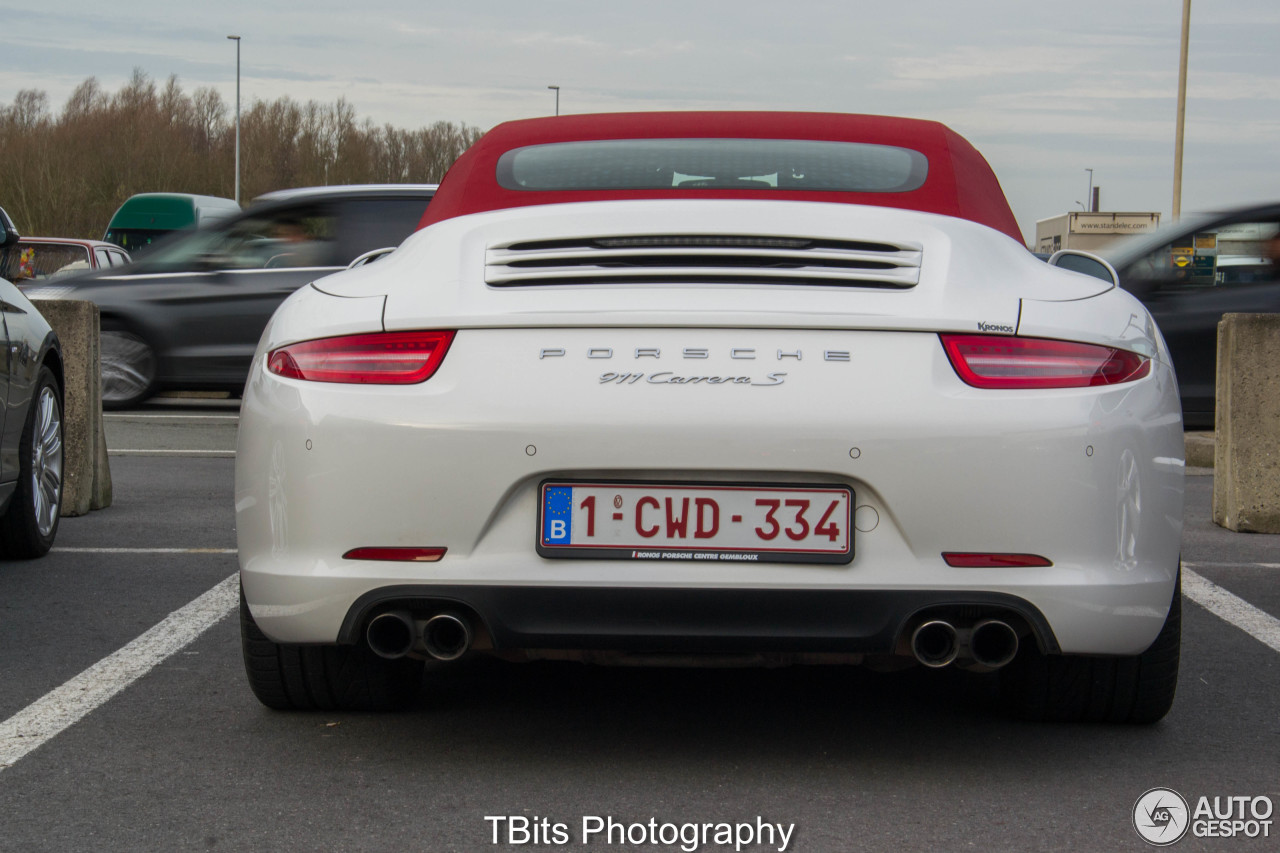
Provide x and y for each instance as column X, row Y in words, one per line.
column 1259, row 624
column 1234, row 565
column 111, row 416
column 63, row 707
column 138, row 452
column 60, row 550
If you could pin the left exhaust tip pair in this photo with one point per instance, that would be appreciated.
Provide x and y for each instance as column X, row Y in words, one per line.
column 445, row 636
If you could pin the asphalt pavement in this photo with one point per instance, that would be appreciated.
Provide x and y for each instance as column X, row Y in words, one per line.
column 183, row 757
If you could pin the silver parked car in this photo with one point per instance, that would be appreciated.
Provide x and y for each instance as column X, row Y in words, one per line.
column 31, row 386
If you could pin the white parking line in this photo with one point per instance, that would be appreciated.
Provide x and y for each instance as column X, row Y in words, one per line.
column 144, row 550
column 111, row 416
column 58, row 710
column 1259, row 624
column 138, row 452
column 1234, row 565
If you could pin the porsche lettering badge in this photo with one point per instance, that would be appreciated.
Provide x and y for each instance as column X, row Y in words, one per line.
column 681, row 378
column 737, row 353
column 671, row 377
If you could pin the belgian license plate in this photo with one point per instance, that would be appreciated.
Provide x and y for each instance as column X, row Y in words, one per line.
column 725, row 522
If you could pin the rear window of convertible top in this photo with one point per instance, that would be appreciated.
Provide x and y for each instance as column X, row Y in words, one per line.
column 696, row 164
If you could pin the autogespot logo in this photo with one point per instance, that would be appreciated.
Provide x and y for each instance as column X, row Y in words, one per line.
column 1160, row 816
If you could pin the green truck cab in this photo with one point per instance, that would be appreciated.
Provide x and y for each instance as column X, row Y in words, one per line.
column 147, row 217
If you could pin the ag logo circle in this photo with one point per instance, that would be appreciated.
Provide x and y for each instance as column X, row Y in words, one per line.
column 1161, row 817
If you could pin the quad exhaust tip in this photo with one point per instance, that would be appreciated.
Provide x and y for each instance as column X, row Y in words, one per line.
column 935, row 644
column 391, row 635
column 447, row 636
column 993, row 643
column 989, row 645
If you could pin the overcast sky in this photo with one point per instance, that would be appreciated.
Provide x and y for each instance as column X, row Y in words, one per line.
column 1044, row 90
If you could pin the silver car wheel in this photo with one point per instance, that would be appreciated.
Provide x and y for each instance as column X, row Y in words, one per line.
column 128, row 368
column 46, row 461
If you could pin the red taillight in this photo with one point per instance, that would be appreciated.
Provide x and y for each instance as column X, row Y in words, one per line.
column 999, row 361
column 397, row 555
column 384, row 358
column 969, row 560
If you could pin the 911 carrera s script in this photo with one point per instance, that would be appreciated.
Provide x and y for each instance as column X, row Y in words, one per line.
column 666, row 377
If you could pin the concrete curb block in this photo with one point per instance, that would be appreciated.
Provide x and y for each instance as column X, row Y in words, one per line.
column 1246, row 479
column 1200, row 449
column 86, row 472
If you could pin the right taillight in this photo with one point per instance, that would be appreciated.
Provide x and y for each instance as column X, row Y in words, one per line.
column 1000, row 361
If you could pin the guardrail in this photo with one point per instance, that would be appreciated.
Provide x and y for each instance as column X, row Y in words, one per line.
column 86, row 474
column 1246, row 470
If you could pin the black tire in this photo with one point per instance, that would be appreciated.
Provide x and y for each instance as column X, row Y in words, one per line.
column 30, row 523
column 324, row 678
column 128, row 367
column 1088, row 689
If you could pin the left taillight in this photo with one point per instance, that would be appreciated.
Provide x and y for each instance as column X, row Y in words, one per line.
column 382, row 358
column 1001, row 361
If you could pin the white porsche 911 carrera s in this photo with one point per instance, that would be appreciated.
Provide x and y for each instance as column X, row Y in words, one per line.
column 709, row 387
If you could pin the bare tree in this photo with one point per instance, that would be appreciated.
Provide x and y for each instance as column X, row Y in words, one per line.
column 66, row 175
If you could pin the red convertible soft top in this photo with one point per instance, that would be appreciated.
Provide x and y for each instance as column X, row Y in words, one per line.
column 959, row 182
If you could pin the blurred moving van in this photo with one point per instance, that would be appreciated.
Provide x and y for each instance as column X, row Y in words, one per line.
column 147, row 217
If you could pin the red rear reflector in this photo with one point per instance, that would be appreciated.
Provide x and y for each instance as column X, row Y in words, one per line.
column 399, row 555
column 966, row 560
column 384, row 358
column 1000, row 361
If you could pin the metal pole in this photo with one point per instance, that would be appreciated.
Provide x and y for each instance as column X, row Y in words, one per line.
column 1090, row 194
column 236, row 39
column 557, row 89
column 1182, row 110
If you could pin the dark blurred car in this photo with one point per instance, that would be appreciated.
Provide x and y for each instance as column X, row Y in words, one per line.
column 31, row 383
column 189, row 314
column 36, row 259
column 1191, row 273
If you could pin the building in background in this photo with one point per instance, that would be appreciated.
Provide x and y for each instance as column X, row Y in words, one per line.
column 1090, row 230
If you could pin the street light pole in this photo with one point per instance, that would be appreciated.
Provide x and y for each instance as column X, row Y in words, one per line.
column 1182, row 110
column 557, row 88
column 236, row 39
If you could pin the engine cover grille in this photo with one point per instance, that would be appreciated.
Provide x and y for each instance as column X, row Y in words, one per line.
column 709, row 258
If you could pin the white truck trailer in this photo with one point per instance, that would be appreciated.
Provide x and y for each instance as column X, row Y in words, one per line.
column 1090, row 231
